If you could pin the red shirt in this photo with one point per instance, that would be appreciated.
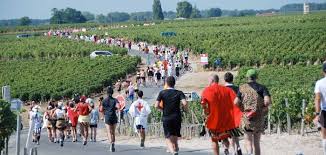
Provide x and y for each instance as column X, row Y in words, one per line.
column 223, row 115
column 83, row 108
column 165, row 65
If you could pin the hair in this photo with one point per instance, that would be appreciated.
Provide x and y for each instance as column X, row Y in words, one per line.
column 228, row 77
column 140, row 93
column 215, row 78
column 110, row 91
column 71, row 105
column 170, row 81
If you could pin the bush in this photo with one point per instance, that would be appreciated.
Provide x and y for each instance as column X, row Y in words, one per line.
column 7, row 122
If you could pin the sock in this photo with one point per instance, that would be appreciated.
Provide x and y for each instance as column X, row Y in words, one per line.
column 324, row 146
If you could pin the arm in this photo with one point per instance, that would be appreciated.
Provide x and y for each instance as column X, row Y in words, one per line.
column 317, row 102
column 156, row 105
column 184, row 105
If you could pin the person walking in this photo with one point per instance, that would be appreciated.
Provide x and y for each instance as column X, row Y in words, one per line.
column 320, row 106
column 37, row 121
column 60, row 116
column 73, row 117
column 222, row 116
column 94, row 120
column 110, row 105
column 228, row 78
column 169, row 101
column 140, row 111
column 83, row 109
column 253, row 100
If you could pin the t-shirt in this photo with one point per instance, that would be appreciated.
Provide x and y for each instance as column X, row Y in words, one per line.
column 233, row 87
column 321, row 88
column 171, row 103
column 60, row 113
column 83, row 108
column 131, row 90
column 260, row 89
column 94, row 116
column 158, row 75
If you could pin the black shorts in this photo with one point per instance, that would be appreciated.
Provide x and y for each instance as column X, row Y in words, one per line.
column 139, row 127
column 171, row 127
column 143, row 78
column 110, row 121
column 322, row 119
column 93, row 125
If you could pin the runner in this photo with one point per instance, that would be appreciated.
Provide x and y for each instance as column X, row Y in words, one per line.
column 150, row 73
column 110, row 106
column 60, row 116
column 131, row 92
column 143, row 77
column 320, row 106
column 73, row 118
column 171, row 100
column 253, row 99
column 83, row 109
column 94, row 120
column 36, row 117
column 228, row 78
column 140, row 111
column 158, row 76
column 222, row 116
column 47, row 122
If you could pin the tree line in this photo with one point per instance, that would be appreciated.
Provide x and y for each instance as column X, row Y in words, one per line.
column 184, row 9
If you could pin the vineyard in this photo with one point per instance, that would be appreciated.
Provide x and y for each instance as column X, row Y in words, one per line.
column 244, row 41
column 45, row 79
column 48, row 48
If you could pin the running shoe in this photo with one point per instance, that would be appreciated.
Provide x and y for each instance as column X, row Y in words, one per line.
column 61, row 143
column 112, row 148
column 85, row 142
column 142, row 145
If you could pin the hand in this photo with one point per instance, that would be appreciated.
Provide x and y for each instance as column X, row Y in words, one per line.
column 316, row 120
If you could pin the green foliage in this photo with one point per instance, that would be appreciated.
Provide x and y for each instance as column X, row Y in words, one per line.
column 48, row 48
column 244, row 41
column 184, row 9
column 7, row 122
column 157, row 10
column 25, row 21
column 45, row 79
column 89, row 16
column 68, row 15
column 118, row 17
column 292, row 82
column 214, row 12
column 195, row 13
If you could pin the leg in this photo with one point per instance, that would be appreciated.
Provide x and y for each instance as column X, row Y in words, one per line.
column 142, row 137
column 49, row 134
column 86, row 131
column 215, row 147
column 226, row 144
column 94, row 137
column 257, row 143
column 236, row 145
column 248, row 136
column 91, row 133
column 81, row 127
column 323, row 134
column 169, row 144
column 112, row 133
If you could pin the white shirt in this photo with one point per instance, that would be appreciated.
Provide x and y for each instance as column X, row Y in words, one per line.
column 321, row 88
column 140, row 110
column 60, row 113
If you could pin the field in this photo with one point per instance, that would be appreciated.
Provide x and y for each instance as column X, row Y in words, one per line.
column 244, row 41
column 41, row 68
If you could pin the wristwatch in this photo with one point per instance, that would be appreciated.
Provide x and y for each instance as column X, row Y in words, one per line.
column 317, row 113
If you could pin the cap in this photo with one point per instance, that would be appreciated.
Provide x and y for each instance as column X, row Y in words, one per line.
column 324, row 66
column 252, row 73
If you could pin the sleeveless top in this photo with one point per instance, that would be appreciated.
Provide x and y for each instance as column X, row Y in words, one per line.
column 109, row 107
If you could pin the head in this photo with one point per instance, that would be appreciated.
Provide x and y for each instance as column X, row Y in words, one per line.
column 228, row 77
column 170, row 81
column 324, row 68
column 110, row 91
column 71, row 104
column 140, row 94
column 252, row 74
column 214, row 79
column 83, row 99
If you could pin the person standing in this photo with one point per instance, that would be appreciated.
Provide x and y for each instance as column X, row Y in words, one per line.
column 94, row 120
column 83, row 109
column 169, row 101
column 253, row 100
column 320, row 106
column 110, row 106
column 140, row 111
column 222, row 116
column 228, row 78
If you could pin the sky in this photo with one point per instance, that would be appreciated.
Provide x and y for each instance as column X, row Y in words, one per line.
column 41, row 9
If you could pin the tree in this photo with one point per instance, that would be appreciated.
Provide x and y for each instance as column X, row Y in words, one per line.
column 157, row 10
column 170, row 15
column 25, row 21
column 118, row 17
column 68, row 15
column 195, row 13
column 184, row 9
column 101, row 18
column 7, row 122
column 141, row 16
column 214, row 12
column 89, row 16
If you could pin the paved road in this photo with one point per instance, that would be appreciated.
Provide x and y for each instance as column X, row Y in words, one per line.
column 99, row 148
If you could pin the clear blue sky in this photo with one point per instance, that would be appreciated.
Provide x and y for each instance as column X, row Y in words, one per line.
column 41, row 9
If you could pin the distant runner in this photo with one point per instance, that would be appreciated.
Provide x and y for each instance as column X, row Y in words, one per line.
column 37, row 126
column 171, row 100
column 320, row 106
column 140, row 111
column 94, row 115
column 83, row 109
